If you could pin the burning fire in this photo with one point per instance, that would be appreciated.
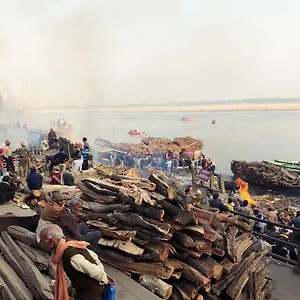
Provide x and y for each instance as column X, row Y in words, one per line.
column 243, row 189
column 132, row 173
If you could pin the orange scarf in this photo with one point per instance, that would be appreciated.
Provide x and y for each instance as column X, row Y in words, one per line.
column 61, row 291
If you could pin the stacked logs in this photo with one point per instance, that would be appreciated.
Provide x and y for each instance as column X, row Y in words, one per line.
column 25, row 270
column 265, row 174
column 174, row 249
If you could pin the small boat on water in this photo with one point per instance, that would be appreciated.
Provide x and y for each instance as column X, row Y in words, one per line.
column 134, row 132
column 188, row 119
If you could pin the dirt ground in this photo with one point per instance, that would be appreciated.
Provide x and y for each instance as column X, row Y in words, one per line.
column 288, row 283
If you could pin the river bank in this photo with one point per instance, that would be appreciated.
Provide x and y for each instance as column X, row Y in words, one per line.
column 172, row 108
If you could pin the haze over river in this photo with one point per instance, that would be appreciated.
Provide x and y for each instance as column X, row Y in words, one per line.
column 239, row 135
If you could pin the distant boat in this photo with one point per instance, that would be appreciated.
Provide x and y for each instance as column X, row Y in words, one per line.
column 213, row 122
column 134, row 132
column 188, row 119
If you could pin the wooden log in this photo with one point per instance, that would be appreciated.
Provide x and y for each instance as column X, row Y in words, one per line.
column 136, row 220
column 157, row 196
column 178, row 215
column 204, row 216
column 154, row 269
column 9, row 257
column 192, row 274
column 227, row 265
column 267, row 289
column 124, row 246
column 197, row 231
column 213, row 265
column 144, row 210
column 217, row 252
column 236, row 287
column 29, row 268
column 255, row 247
column 23, row 235
column 38, row 257
column 162, row 187
column 241, row 247
column 104, row 208
column 231, row 243
column 234, row 220
column 204, row 269
column 112, row 231
column 150, row 186
column 184, row 239
column 159, row 251
column 186, row 289
column 103, row 184
column 98, row 190
column 156, row 286
column 222, row 284
column 176, row 275
column 198, row 297
column 177, row 296
column 95, row 196
column 5, row 293
column 13, row 281
column 117, row 177
column 186, row 251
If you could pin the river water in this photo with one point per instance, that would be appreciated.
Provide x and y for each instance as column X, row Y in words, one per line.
column 236, row 135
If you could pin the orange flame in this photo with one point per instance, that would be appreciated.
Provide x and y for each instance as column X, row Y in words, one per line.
column 132, row 173
column 243, row 189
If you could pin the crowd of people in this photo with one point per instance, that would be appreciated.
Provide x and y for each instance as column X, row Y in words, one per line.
column 59, row 167
column 167, row 162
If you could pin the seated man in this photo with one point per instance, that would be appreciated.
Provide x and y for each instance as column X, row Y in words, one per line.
column 81, row 265
column 67, row 221
column 68, row 178
column 50, row 212
column 217, row 203
column 7, row 192
column 34, row 180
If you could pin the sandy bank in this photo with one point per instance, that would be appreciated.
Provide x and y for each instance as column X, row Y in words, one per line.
column 160, row 109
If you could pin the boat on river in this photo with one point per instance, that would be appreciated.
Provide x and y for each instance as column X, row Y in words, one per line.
column 134, row 132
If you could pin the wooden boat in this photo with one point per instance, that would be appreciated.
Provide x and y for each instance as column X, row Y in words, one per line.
column 188, row 119
column 291, row 166
column 134, row 132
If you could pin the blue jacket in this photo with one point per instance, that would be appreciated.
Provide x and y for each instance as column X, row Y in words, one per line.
column 34, row 181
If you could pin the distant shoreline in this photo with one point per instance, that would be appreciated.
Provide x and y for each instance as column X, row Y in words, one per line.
column 183, row 109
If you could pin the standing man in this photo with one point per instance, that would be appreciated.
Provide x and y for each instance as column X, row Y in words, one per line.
column 51, row 138
column 24, row 159
column 61, row 158
column 81, row 265
column 86, row 145
column 7, row 154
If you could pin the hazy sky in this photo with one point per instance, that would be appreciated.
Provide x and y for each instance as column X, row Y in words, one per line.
column 58, row 52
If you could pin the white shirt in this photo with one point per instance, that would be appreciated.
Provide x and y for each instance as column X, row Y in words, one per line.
column 80, row 264
column 76, row 165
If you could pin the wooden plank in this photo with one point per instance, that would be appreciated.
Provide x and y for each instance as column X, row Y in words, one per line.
column 29, row 268
column 14, row 282
column 124, row 246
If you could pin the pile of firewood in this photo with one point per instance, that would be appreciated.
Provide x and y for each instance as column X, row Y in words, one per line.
column 150, row 145
column 25, row 270
column 174, row 249
column 265, row 174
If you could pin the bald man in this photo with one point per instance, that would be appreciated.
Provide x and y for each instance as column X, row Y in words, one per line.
column 82, row 266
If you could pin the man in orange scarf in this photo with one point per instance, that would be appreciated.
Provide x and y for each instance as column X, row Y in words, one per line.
column 81, row 265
